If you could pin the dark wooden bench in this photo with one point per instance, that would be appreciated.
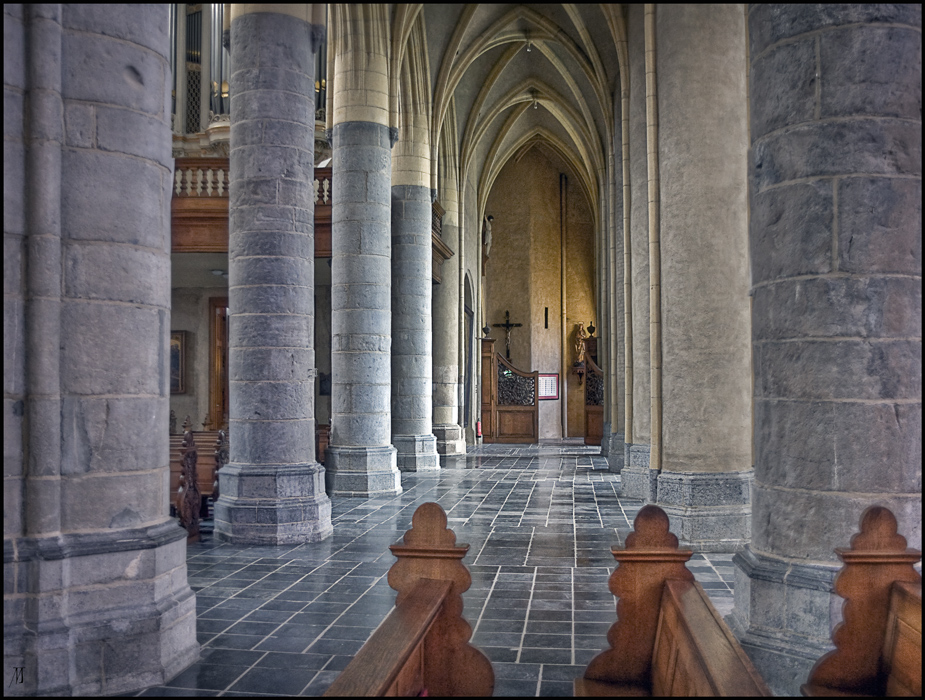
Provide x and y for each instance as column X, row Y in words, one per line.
column 668, row 639
column 205, row 445
column 422, row 647
column 878, row 645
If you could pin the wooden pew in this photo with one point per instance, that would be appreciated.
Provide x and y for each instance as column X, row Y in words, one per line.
column 423, row 644
column 668, row 638
column 878, row 645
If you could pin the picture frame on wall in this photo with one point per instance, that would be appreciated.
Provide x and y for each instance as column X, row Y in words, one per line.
column 177, row 362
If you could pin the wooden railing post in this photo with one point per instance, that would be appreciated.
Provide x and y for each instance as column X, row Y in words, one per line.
column 429, row 551
column 189, row 499
column 877, row 558
column 651, row 557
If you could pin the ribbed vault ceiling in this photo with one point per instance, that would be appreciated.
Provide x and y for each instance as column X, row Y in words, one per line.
column 515, row 76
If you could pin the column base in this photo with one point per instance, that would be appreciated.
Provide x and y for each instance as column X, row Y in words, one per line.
column 416, row 453
column 783, row 616
column 362, row 471
column 709, row 512
column 272, row 504
column 98, row 614
column 450, row 439
column 637, row 480
column 616, row 453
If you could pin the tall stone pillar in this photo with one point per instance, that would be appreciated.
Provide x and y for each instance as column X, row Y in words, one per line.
column 360, row 458
column 272, row 490
column 706, row 466
column 449, row 433
column 96, row 599
column 636, row 478
column 836, row 256
column 412, row 342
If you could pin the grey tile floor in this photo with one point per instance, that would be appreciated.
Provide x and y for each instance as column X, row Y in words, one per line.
column 539, row 521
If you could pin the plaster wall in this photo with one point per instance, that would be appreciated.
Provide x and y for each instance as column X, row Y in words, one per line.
column 523, row 276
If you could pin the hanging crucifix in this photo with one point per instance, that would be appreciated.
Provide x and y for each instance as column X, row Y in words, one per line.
column 507, row 326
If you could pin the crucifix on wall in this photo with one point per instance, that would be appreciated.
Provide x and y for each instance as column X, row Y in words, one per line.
column 507, row 326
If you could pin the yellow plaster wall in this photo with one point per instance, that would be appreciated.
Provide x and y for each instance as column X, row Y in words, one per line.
column 523, row 274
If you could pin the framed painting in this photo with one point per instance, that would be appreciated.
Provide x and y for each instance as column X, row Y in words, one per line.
column 177, row 362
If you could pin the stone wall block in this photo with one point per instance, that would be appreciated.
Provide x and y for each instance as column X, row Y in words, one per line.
column 838, row 369
column 126, row 131
column 783, row 87
column 253, row 192
column 14, row 367
column 99, row 69
column 133, row 275
column 79, row 125
column 14, row 48
column 14, row 221
column 274, row 79
column 266, row 330
column 275, row 299
column 827, row 446
column 112, row 501
column 365, row 158
column 278, row 271
column 871, row 70
column 295, row 243
column 102, row 434
column 366, row 398
column 368, row 429
column 279, row 161
column 359, row 342
column 259, row 363
column 791, row 519
column 366, row 269
column 13, row 262
column 791, row 231
column 823, row 149
column 291, row 400
column 263, row 104
column 271, row 442
column 880, row 225
column 98, row 365
column 881, row 307
column 146, row 25
column 362, row 134
column 769, row 24
column 111, row 183
column 365, row 368
column 12, row 443
column 360, row 296
column 348, row 321
column 292, row 45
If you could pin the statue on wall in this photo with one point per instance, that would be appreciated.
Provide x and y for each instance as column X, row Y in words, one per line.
column 581, row 337
column 486, row 235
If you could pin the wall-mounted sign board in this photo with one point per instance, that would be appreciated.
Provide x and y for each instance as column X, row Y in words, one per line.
column 548, row 388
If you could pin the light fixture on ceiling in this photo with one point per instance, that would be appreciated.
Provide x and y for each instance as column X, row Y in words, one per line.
column 529, row 46
column 218, row 273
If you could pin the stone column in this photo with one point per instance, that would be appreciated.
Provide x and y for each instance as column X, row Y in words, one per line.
column 272, row 490
column 706, row 471
column 360, row 458
column 637, row 482
column 412, row 343
column 836, row 256
column 96, row 599
column 449, row 434
column 616, row 445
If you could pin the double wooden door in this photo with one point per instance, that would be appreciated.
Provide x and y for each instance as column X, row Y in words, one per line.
column 509, row 399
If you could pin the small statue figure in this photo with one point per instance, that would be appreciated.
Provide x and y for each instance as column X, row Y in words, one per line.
column 486, row 234
column 189, row 500
column 581, row 337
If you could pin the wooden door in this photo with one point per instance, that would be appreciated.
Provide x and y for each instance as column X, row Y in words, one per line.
column 594, row 402
column 489, row 389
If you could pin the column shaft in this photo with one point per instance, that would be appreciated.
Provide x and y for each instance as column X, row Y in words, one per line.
column 637, row 482
column 705, row 472
column 360, row 458
column 412, row 342
column 272, row 491
column 836, row 257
